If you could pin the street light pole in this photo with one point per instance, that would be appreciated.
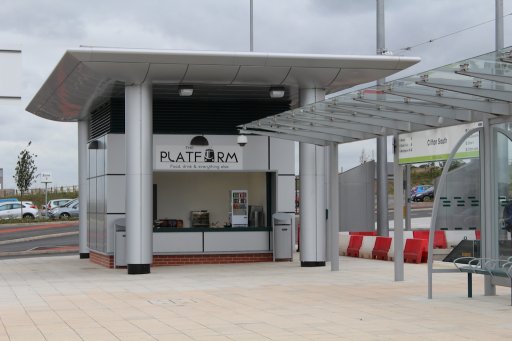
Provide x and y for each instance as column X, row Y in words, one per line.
column 251, row 33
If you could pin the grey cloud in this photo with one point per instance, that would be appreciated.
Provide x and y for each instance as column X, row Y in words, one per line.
column 42, row 19
column 46, row 28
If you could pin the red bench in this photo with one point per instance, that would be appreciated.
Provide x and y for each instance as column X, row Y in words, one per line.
column 381, row 248
column 354, row 245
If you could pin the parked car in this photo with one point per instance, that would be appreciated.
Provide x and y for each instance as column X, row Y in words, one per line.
column 12, row 210
column 71, row 209
column 419, row 189
column 427, row 195
column 57, row 203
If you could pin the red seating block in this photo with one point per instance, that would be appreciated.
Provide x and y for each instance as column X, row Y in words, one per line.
column 363, row 233
column 414, row 250
column 381, row 248
column 440, row 241
column 354, row 245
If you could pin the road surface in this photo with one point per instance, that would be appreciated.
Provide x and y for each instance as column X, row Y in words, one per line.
column 38, row 238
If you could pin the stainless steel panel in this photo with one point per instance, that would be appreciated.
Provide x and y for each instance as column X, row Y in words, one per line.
column 176, row 242
column 236, row 241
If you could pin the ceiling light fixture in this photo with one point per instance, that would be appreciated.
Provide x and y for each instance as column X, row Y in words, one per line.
column 185, row 90
column 276, row 92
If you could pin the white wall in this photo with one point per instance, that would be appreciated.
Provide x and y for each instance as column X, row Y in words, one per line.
column 10, row 73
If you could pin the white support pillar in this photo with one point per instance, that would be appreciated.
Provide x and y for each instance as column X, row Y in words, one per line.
column 83, row 187
column 334, row 221
column 139, row 177
column 312, row 194
column 398, row 236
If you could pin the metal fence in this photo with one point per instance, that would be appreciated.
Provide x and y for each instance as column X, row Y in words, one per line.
column 56, row 189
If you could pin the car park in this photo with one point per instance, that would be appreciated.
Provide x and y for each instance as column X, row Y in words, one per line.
column 13, row 210
column 71, row 209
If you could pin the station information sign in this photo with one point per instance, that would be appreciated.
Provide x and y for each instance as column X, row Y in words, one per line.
column 46, row 177
column 437, row 144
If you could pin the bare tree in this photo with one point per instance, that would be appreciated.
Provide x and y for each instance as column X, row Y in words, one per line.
column 25, row 171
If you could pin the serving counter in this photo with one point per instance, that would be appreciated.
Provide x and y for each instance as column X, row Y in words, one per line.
column 203, row 240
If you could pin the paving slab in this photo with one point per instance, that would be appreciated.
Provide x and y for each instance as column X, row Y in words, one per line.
column 67, row 298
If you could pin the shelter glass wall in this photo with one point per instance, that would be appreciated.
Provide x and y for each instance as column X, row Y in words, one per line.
column 503, row 188
column 460, row 198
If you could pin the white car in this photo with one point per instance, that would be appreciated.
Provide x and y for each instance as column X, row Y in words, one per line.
column 12, row 210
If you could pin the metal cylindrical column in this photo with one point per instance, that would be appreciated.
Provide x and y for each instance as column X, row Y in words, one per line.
column 407, row 198
column 381, row 36
column 334, row 225
column 83, row 187
column 139, row 177
column 312, row 197
column 321, row 205
column 489, row 238
column 499, row 25
column 398, row 237
column 382, row 142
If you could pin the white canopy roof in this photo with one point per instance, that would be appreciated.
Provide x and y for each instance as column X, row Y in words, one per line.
column 85, row 77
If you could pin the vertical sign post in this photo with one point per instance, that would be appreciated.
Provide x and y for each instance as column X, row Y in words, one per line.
column 46, row 178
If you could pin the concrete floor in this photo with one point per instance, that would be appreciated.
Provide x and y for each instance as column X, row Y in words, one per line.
column 65, row 298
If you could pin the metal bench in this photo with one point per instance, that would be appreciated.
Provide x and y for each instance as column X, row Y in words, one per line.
column 484, row 266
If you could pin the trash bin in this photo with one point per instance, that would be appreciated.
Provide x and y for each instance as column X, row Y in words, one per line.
column 282, row 231
column 120, row 243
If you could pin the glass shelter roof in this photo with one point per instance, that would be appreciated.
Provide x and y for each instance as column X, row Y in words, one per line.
column 462, row 92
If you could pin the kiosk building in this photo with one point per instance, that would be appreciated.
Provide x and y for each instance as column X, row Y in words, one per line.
column 159, row 147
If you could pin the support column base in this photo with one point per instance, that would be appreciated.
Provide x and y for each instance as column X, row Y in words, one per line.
column 138, row 269
column 84, row 255
column 311, row 264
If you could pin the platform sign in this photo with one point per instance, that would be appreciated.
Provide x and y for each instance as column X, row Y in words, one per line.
column 46, row 177
column 10, row 76
column 198, row 158
column 437, row 144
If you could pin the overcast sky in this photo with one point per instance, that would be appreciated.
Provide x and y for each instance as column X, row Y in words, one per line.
column 44, row 29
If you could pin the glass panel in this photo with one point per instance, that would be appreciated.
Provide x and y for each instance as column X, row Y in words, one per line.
column 458, row 210
column 459, row 204
column 503, row 158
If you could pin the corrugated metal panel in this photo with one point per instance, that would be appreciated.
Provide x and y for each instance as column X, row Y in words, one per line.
column 211, row 110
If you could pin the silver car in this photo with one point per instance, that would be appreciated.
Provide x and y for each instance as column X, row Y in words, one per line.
column 71, row 209
column 57, row 203
column 12, row 210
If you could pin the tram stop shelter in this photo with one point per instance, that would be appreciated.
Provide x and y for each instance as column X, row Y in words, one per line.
column 478, row 89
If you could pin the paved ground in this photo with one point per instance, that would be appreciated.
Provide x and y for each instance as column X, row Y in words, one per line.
column 64, row 298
